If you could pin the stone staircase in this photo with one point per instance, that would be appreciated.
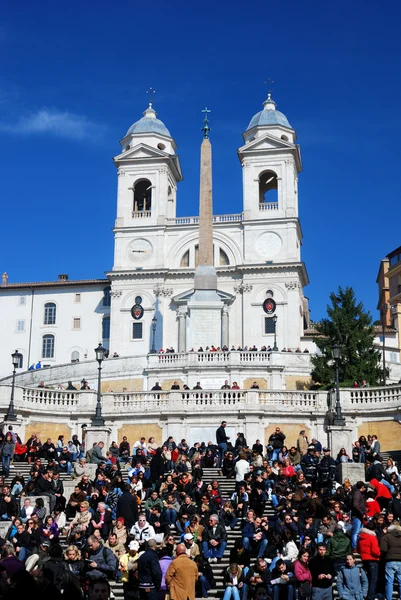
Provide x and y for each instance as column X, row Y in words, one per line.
column 227, row 487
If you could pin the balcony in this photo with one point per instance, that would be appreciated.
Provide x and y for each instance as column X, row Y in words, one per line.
column 141, row 214
column 268, row 206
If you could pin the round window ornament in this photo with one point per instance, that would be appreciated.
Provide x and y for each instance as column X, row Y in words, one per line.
column 137, row 312
column 269, row 306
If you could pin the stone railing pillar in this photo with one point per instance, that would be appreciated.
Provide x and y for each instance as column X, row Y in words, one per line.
column 182, row 330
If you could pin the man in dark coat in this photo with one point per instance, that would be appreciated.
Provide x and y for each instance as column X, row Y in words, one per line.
column 221, row 440
column 149, row 572
column 127, row 507
column 157, row 468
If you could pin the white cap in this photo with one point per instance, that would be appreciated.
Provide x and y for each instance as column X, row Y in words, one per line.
column 134, row 545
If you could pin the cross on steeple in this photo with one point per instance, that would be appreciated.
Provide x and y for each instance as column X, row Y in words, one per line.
column 151, row 93
column 206, row 127
column 269, row 83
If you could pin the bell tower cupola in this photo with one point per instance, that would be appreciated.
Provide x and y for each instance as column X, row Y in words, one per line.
column 148, row 173
column 271, row 161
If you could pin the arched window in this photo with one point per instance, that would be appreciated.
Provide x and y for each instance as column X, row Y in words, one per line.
column 20, row 361
column 106, row 328
column 48, row 346
column 142, row 195
column 106, row 296
column 223, row 258
column 185, row 260
column 50, row 314
column 268, row 188
column 75, row 356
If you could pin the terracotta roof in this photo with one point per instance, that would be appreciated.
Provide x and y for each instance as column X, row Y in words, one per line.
column 39, row 284
column 311, row 331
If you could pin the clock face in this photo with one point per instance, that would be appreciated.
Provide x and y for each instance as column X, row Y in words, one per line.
column 268, row 244
column 139, row 250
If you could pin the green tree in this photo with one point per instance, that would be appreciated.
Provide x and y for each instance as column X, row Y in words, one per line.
column 350, row 326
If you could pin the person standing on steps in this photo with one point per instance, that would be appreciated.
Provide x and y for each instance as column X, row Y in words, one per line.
column 221, row 440
column 182, row 575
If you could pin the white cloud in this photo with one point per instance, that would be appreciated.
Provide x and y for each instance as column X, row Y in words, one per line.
column 56, row 123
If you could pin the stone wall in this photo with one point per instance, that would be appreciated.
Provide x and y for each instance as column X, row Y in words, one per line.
column 297, row 382
column 48, row 430
column 388, row 433
column 262, row 383
column 135, row 432
column 131, row 385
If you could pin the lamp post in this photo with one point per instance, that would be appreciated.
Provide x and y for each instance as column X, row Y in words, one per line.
column 154, row 323
column 275, row 348
column 15, row 359
column 384, row 310
column 338, row 417
column 98, row 420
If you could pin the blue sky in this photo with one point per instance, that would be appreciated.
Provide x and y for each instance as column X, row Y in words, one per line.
column 73, row 77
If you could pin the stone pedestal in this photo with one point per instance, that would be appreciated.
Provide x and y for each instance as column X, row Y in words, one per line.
column 205, row 310
column 352, row 471
column 17, row 426
column 340, row 436
column 97, row 434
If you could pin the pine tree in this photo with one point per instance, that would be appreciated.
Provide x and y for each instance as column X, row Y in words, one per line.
column 350, row 326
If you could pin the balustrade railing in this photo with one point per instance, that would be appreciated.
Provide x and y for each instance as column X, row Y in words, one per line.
column 268, row 206
column 42, row 396
column 195, row 220
column 141, row 214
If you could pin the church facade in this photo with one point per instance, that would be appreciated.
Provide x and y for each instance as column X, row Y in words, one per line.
column 256, row 254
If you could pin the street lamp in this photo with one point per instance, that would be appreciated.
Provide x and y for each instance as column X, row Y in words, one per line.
column 98, row 420
column 275, row 348
column 338, row 417
column 154, row 323
column 15, row 359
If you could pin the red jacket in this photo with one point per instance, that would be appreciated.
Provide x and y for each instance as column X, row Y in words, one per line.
column 382, row 490
column 372, row 507
column 368, row 545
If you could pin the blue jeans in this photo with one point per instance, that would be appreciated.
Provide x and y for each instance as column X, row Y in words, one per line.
column 259, row 546
column 205, row 585
column 171, row 515
column 275, row 454
column 213, row 551
column 17, row 489
column 393, row 570
column 356, row 527
column 23, row 553
column 231, row 591
column 6, row 465
column 66, row 468
column 372, row 572
column 222, row 449
column 322, row 593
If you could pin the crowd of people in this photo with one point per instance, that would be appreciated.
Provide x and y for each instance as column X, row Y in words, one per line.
column 225, row 348
column 143, row 514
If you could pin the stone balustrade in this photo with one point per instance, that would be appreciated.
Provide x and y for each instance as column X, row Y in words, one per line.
column 195, row 220
column 204, row 359
column 363, row 401
column 268, row 206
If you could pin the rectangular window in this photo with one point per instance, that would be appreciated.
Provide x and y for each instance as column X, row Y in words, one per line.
column 50, row 314
column 76, row 323
column 77, row 299
column 270, row 325
column 21, row 325
column 136, row 331
column 22, row 300
column 48, row 346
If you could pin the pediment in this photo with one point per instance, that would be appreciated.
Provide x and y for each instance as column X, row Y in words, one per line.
column 141, row 151
column 266, row 142
column 184, row 297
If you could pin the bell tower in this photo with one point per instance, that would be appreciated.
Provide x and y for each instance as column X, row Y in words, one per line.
column 148, row 171
column 271, row 161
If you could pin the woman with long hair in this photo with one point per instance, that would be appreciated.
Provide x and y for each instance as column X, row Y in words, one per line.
column 303, row 576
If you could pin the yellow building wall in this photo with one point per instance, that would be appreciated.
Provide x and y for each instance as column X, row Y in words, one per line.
column 48, row 430
column 132, row 385
column 167, row 383
column 290, row 430
column 262, row 383
column 298, row 382
column 388, row 433
column 135, row 432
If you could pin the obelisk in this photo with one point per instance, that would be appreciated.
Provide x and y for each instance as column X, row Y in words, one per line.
column 205, row 306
